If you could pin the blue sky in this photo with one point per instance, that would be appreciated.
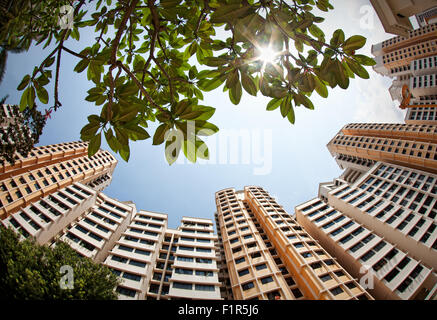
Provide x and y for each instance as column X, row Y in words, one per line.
column 299, row 157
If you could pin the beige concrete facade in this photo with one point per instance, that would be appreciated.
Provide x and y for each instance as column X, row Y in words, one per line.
column 48, row 169
column 411, row 61
column 55, row 194
column 383, row 268
column 270, row 256
column 413, row 146
column 159, row 263
column 394, row 14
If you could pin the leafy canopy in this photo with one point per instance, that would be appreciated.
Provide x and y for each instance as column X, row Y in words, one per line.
column 31, row 271
column 163, row 55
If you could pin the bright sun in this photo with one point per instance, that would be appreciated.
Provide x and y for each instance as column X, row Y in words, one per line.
column 267, row 54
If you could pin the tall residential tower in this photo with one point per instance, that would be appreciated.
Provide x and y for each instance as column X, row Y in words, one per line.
column 270, row 256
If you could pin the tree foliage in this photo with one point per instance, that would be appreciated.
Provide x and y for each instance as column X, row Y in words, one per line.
column 31, row 271
column 19, row 131
column 153, row 60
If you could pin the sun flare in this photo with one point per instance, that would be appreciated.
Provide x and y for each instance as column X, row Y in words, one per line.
column 267, row 54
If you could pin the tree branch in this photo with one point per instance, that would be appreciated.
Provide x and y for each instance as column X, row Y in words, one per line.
column 74, row 53
column 142, row 89
column 170, row 83
column 120, row 31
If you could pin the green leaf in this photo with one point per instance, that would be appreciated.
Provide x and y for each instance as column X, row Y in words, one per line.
column 94, row 144
column 135, row 132
column 189, row 149
column 121, row 136
column 291, row 116
column 173, row 147
column 127, row 114
column 206, row 129
column 42, row 93
column 207, row 112
column 316, row 31
column 81, row 65
column 321, row 88
column 191, row 115
column 307, row 102
column 233, row 78
column 299, row 45
column 89, row 130
column 190, row 50
column 49, row 62
column 24, row 99
column 31, row 97
column 181, row 106
column 274, row 104
column 112, row 141
column 235, row 93
column 23, row 84
column 158, row 137
column 354, row 43
column 364, row 60
column 357, row 69
column 202, row 151
column 337, row 38
column 286, row 106
column 209, row 84
column 249, row 84
column 228, row 12
column 340, row 76
column 125, row 152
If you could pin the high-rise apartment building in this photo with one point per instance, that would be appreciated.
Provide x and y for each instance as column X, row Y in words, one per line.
column 410, row 61
column 394, row 14
column 379, row 218
column 428, row 16
column 55, row 194
column 359, row 145
column 270, row 256
column 48, row 169
column 159, row 263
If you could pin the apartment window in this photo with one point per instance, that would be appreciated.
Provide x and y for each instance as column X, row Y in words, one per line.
column 238, row 249
column 239, row 260
column 255, row 255
column 131, row 276
column 336, row 291
column 143, row 252
column 243, row 272
column 119, row 259
column 266, row 280
column 204, row 287
column 346, row 239
column 137, row 263
column 316, row 265
column 181, row 285
column 125, row 248
column 185, row 259
column 232, row 241
column 186, row 248
column 356, row 247
column 306, row 254
column 248, row 286
column 201, row 260
column 251, row 245
column 261, row 267
column 325, row 277
column 183, row 271
column 126, row 292
column 204, row 273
